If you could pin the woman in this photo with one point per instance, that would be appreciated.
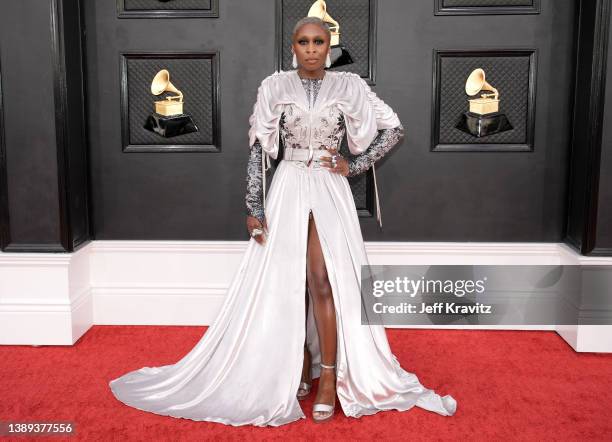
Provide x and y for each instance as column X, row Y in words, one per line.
column 259, row 357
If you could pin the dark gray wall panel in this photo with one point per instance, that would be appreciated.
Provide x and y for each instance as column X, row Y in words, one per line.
column 176, row 8
column 70, row 122
column 496, row 196
column 4, row 219
column 195, row 75
column 604, row 218
column 357, row 19
column 44, row 199
column 587, row 152
column 511, row 72
column 473, row 7
column 29, row 116
column 425, row 196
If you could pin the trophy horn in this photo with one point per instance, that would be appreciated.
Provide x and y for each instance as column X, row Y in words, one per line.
column 161, row 83
column 477, row 82
column 319, row 9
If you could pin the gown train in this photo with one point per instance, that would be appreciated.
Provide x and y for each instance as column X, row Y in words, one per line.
column 247, row 367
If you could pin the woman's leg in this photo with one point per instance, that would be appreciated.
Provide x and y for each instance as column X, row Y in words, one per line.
column 324, row 313
column 306, row 372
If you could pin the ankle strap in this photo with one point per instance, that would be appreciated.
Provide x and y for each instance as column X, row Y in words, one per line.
column 327, row 366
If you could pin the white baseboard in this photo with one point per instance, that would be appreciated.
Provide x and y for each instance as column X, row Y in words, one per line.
column 45, row 298
column 53, row 299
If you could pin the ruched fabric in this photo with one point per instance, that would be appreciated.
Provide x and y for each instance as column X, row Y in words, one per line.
column 365, row 113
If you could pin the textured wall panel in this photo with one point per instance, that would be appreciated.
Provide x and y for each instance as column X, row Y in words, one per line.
column 476, row 7
column 175, row 8
column 510, row 73
column 357, row 31
column 192, row 74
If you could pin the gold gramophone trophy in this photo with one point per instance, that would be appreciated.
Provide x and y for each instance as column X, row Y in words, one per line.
column 484, row 117
column 339, row 54
column 168, row 120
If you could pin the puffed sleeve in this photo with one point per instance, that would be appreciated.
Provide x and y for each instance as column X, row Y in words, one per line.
column 266, row 115
column 372, row 130
column 263, row 141
column 365, row 113
column 386, row 118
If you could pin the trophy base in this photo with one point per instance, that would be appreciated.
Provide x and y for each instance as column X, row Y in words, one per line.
column 483, row 125
column 340, row 56
column 170, row 126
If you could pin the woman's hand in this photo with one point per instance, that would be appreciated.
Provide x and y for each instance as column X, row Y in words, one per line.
column 254, row 223
column 341, row 163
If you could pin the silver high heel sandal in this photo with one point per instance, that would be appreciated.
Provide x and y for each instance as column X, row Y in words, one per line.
column 324, row 408
column 304, row 389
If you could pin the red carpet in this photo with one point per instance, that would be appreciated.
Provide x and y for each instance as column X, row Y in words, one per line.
column 518, row 385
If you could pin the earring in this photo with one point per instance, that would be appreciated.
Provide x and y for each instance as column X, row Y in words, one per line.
column 328, row 61
column 294, row 63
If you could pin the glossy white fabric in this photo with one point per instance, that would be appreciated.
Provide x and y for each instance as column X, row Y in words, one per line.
column 340, row 93
column 246, row 369
column 363, row 111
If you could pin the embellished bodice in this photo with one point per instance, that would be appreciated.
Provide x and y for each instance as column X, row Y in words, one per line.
column 326, row 126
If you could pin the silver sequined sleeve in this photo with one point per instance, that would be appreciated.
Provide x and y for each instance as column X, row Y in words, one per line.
column 383, row 143
column 254, row 182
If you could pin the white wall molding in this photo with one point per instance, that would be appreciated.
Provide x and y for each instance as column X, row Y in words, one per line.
column 55, row 298
column 45, row 298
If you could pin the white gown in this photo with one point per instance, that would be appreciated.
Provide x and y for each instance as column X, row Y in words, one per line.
column 247, row 367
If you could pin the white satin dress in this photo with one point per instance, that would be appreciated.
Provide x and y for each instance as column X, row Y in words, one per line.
column 247, row 367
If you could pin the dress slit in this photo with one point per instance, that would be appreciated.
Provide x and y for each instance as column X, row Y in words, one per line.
column 312, row 331
column 246, row 368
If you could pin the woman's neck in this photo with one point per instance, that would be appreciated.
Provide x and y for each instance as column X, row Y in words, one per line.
column 317, row 75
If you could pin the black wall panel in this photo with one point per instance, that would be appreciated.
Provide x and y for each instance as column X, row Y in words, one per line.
column 588, row 198
column 44, row 198
column 603, row 240
column 486, row 7
column 51, row 179
column 425, row 195
column 358, row 30
column 195, row 75
column 29, row 126
column 71, row 126
column 512, row 72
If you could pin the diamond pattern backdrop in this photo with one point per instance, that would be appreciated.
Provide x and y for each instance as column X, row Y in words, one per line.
column 508, row 74
column 485, row 3
column 354, row 19
column 192, row 76
column 172, row 5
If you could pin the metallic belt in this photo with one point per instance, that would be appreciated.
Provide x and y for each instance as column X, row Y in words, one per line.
column 295, row 154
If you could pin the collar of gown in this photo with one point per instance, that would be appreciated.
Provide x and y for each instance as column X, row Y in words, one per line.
column 364, row 113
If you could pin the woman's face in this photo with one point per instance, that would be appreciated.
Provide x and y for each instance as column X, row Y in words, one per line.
column 311, row 45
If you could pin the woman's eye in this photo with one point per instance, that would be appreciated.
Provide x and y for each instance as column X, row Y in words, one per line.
column 317, row 41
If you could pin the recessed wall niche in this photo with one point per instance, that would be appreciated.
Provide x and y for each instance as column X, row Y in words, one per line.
column 511, row 72
column 195, row 75
column 357, row 27
column 167, row 8
column 486, row 7
column 4, row 217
